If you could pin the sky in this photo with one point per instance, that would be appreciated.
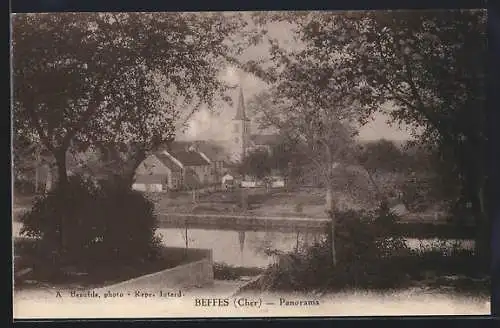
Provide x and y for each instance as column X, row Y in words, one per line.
column 215, row 123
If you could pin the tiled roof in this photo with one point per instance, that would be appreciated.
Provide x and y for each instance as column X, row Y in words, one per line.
column 212, row 150
column 168, row 162
column 179, row 145
column 189, row 158
column 215, row 151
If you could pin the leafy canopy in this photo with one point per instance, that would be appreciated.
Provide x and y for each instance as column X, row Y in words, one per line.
column 82, row 78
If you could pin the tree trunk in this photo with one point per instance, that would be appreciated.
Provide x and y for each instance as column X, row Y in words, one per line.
column 48, row 179
column 129, row 170
column 330, row 210
column 62, row 172
column 37, row 172
column 62, row 184
column 329, row 202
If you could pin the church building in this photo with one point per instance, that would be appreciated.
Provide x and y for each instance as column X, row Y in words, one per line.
column 240, row 131
column 242, row 140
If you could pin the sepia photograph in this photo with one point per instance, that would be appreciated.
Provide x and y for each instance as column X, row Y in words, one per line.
column 249, row 164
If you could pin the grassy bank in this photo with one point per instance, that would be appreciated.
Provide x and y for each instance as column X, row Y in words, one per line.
column 371, row 255
column 431, row 272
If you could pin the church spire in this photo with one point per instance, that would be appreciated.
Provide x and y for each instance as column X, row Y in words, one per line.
column 240, row 110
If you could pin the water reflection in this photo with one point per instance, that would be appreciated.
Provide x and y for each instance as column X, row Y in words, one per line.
column 232, row 247
column 250, row 248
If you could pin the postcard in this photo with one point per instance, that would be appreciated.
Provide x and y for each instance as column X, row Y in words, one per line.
column 243, row 164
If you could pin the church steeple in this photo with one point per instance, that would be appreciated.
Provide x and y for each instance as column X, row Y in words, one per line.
column 240, row 109
column 241, row 129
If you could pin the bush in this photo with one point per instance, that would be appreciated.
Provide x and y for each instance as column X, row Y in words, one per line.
column 364, row 253
column 224, row 271
column 92, row 224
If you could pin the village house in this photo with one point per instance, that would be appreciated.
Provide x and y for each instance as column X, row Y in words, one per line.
column 211, row 151
column 216, row 155
column 173, row 170
column 194, row 164
column 196, row 167
column 228, row 181
column 158, row 172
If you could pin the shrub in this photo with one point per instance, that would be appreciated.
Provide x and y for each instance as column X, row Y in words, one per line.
column 224, row 271
column 96, row 223
column 364, row 251
column 444, row 258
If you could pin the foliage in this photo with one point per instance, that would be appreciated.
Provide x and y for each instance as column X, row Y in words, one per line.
column 311, row 134
column 118, row 78
column 256, row 163
column 108, row 223
column 370, row 259
column 442, row 258
column 428, row 69
column 364, row 249
column 382, row 155
column 319, row 123
column 224, row 271
column 420, row 191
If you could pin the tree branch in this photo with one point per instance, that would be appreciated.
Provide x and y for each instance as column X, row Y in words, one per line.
column 36, row 122
column 420, row 107
column 75, row 128
column 95, row 100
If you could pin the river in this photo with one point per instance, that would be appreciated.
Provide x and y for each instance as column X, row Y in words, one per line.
column 248, row 249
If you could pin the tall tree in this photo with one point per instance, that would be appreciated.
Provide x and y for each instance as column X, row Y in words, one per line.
column 322, row 132
column 121, row 78
column 256, row 163
column 113, row 77
column 382, row 155
column 431, row 65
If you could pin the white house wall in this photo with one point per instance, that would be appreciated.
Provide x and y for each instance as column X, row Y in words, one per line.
column 139, row 186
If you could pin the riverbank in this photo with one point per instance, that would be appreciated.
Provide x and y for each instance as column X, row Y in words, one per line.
column 298, row 202
column 31, row 272
column 226, row 246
